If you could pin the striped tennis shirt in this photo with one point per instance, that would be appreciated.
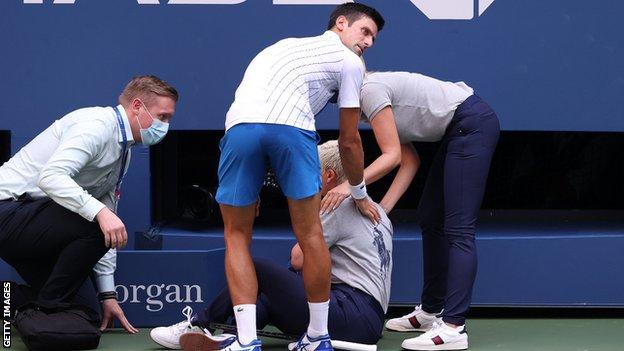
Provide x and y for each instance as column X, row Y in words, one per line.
column 292, row 80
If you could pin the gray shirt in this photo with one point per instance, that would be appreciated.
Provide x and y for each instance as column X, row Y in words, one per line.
column 361, row 252
column 422, row 106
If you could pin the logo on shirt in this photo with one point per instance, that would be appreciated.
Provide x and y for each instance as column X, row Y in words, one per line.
column 384, row 254
column 433, row 9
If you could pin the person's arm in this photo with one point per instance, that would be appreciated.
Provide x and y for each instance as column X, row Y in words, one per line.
column 104, row 272
column 410, row 162
column 111, row 311
column 387, row 138
column 350, row 145
column 78, row 147
column 352, row 157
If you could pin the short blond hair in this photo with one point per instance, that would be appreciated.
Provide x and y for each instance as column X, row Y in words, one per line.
column 145, row 87
column 329, row 154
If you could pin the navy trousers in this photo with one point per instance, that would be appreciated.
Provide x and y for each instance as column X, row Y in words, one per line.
column 449, row 207
column 353, row 315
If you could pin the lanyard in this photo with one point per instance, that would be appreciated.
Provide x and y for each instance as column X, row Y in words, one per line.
column 124, row 151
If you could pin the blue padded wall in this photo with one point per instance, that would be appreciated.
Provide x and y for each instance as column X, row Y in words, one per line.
column 154, row 286
column 553, row 258
column 542, row 65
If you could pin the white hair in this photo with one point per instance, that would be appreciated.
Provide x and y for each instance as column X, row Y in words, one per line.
column 329, row 155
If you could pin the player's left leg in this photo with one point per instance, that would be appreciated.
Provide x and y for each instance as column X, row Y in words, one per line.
column 294, row 158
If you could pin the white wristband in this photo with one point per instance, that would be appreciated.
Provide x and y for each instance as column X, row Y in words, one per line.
column 358, row 191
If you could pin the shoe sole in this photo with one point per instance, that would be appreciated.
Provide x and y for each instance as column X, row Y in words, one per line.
column 164, row 343
column 198, row 342
column 445, row 347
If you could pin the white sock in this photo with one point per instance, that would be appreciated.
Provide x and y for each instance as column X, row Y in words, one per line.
column 318, row 318
column 246, row 323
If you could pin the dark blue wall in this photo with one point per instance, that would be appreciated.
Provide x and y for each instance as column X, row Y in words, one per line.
column 543, row 65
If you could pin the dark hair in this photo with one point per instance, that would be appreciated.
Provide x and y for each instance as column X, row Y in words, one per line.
column 353, row 12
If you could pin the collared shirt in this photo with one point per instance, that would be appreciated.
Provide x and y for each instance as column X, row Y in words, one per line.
column 292, row 80
column 76, row 162
column 422, row 106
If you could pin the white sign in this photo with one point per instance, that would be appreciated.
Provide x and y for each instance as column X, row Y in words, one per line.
column 451, row 9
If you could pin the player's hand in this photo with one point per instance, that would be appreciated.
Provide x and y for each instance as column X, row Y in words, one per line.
column 335, row 197
column 368, row 209
column 112, row 227
column 111, row 311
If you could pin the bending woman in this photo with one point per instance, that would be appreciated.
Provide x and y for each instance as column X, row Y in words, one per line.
column 405, row 107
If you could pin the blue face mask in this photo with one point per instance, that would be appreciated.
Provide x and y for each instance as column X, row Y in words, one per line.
column 155, row 133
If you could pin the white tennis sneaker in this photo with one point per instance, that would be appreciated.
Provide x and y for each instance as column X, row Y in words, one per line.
column 307, row 343
column 440, row 337
column 418, row 320
column 169, row 337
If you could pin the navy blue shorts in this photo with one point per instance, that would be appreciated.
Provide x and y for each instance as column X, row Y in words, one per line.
column 248, row 149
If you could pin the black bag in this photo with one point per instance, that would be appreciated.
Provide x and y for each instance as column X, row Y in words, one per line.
column 62, row 327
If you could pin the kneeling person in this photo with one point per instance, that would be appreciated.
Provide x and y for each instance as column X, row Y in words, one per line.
column 361, row 257
column 59, row 194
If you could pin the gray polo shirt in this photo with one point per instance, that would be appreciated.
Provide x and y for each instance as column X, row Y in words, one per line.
column 422, row 106
column 361, row 252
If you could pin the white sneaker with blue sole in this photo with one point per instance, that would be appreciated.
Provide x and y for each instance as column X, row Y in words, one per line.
column 307, row 343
